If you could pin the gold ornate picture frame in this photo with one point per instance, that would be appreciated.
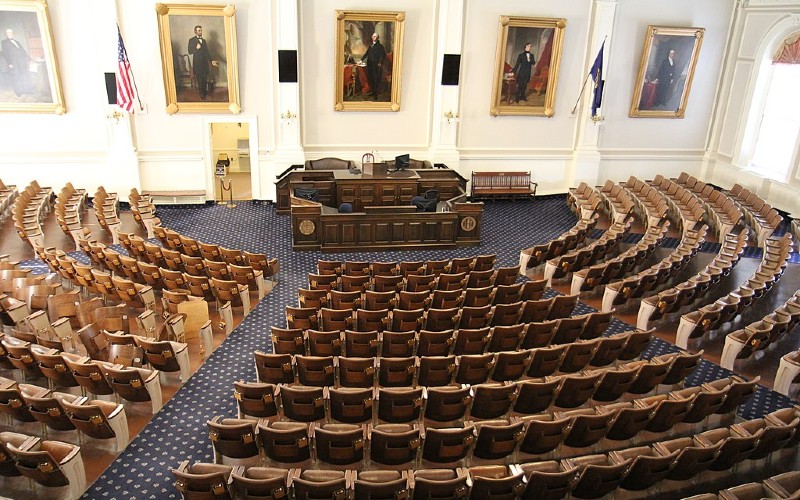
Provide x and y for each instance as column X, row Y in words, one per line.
column 368, row 60
column 666, row 71
column 29, row 76
column 526, row 65
column 199, row 57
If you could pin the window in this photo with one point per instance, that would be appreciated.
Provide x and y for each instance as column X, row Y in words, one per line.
column 777, row 129
column 780, row 123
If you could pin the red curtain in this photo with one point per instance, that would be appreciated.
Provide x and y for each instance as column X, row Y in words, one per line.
column 789, row 51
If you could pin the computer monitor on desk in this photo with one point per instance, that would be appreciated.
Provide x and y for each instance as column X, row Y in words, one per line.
column 402, row 162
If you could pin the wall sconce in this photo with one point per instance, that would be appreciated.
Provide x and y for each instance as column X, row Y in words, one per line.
column 116, row 115
column 288, row 117
column 451, row 117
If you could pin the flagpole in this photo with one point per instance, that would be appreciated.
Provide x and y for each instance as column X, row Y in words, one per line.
column 583, row 87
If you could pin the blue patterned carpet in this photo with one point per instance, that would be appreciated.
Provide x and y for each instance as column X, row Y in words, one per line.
column 178, row 432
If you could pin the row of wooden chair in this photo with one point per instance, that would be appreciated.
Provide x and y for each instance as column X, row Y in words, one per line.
column 499, row 440
column 786, row 485
column 651, row 203
column 387, row 343
column 673, row 299
column 712, row 316
column 144, row 212
column 631, row 469
column 28, row 211
column 172, row 240
column 7, row 195
column 616, row 268
column 685, row 205
column 647, row 280
column 403, row 320
column 565, row 390
column 759, row 335
column 440, row 299
column 69, row 206
column 761, row 215
column 619, row 201
column 55, row 465
column 590, row 254
column 722, row 211
column 61, row 411
column 415, row 282
column 568, row 241
column 106, row 209
column 454, row 265
column 585, row 201
column 462, row 369
column 64, row 369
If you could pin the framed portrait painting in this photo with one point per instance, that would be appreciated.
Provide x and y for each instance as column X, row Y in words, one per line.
column 526, row 66
column 198, row 57
column 666, row 71
column 368, row 60
column 29, row 78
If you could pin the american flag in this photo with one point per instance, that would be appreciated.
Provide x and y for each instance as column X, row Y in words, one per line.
column 125, row 92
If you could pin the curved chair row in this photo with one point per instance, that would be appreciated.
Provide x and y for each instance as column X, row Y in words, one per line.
column 585, row 201
column 786, row 485
column 7, row 195
column 685, row 205
column 415, row 282
column 406, row 268
column 595, row 251
column 403, row 320
column 387, row 343
column 172, row 240
column 93, row 376
column 673, row 299
column 619, row 292
column 363, row 444
column 387, row 297
column 144, row 212
column 29, row 210
column 623, row 264
column 433, row 370
column 721, row 210
column 70, row 204
column 573, row 389
column 760, row 214
column 55, row 465
column 591, row 476
column 619, row 201
column 568, row 241
column 651, row 202
column 759, row 335
column 106, row 209
column 61, row 411
column 712, row 316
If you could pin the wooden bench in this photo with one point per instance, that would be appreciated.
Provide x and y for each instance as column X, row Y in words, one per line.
column 176, row 197
column 502, row 184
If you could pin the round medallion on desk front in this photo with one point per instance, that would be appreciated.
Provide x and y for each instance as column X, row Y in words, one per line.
column 468, row 223
column 307, row 227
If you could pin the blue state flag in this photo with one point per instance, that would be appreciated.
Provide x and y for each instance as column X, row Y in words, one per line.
column 597, row 76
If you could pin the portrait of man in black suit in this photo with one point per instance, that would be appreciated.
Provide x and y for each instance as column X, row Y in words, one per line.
column 202, row 62
column 522, row 72
column 17, row 63
column 376, row 58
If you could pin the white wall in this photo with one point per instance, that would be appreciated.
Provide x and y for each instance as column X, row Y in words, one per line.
column 156, row 151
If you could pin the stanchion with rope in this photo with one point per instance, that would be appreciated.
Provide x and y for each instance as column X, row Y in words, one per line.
column 227, row 188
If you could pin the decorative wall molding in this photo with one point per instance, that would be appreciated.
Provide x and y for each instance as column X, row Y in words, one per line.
column 761, row 4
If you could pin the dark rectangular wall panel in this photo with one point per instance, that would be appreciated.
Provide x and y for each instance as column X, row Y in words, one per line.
column 450, row 69
column 287, row 66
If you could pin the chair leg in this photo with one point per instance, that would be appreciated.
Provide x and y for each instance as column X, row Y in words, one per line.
column 226, row 316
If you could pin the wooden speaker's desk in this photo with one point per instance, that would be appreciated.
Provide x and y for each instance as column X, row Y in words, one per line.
column 361, row 190
column 383, row 217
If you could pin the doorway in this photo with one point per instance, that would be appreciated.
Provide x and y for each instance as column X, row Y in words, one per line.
column 230, row 148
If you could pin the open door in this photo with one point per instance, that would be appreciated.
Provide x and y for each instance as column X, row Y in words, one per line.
column 230, row 148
